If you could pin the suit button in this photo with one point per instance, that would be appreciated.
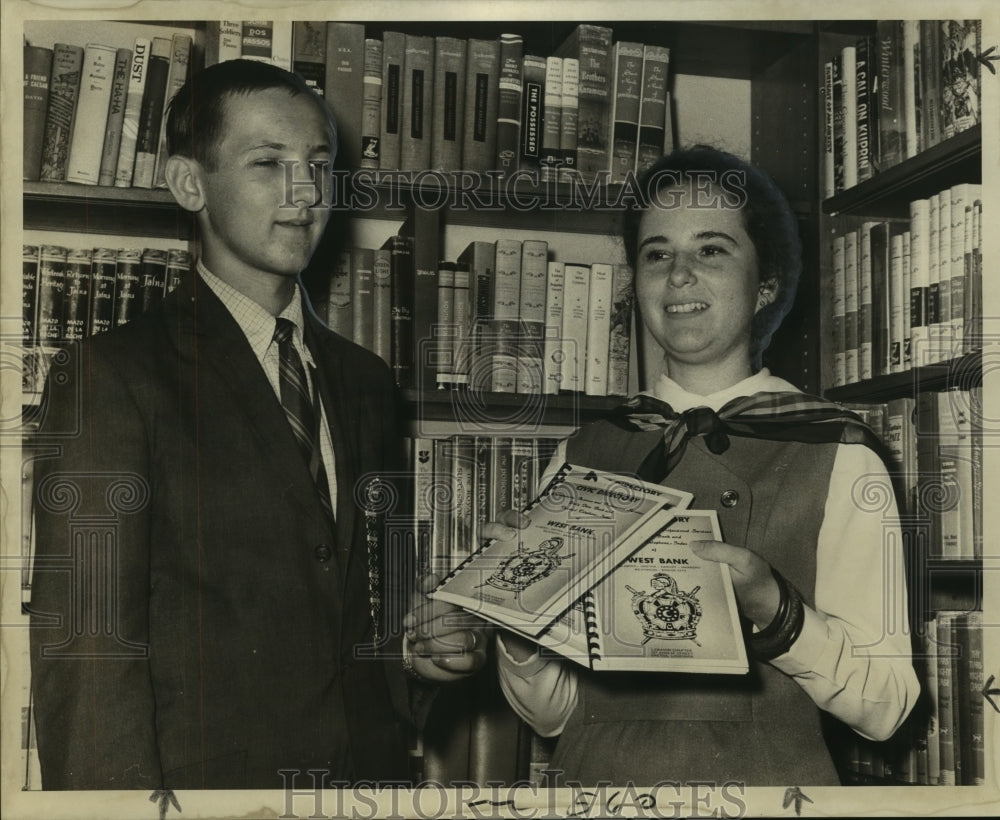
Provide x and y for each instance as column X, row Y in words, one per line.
column 323, row 553
column 730, row 498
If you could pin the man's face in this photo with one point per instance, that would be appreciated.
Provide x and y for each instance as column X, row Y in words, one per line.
column 262, row 216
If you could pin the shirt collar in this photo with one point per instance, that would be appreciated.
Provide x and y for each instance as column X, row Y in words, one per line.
column 666, row 389
column 257, row 323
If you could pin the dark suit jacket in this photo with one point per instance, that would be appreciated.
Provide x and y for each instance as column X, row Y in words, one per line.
column 207, row 615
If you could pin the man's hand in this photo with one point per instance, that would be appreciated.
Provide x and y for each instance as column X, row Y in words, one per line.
column 445, row 643
column 756, row 590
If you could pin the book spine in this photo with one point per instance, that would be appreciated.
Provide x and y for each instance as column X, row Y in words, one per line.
column 481, row 489
column 425, row 228
column 839, row 307
column 371, row 105
column 223, row 41
column 51, row 291
column 180, row 62
column 151, row 113
column 531, row 311
column 480, row 257
column 911, row 86
column 551, row 159
column 930, row 82
column 479, row 146
column 500, row 478
column 178, row 268
column 574, row 331
column 309, row 53
column 29, row 293
column 363, row 296
column 899, row 296
column 961, row 245
column 598, row 329
column 391, row 121
column 891, row 123
column 826, row 90
column 569, row 116
column 877, row 242
column 37, row 85
column 345, row 74
column 653, row 106
column 418, row 103
column 907, row 303
column 532, row 114
column 442, row 559
column 281, row 44
column 137, row 77
column 153, row 277
column 340, row 312
column 522, row 487
column 976, row 716
column 932, row 315
column 448, row 114
column 620, row 340
column 382, row 304
column 444, row 329
column 919, row 278
column 509, row 103
column 127, row 285
column 257, row 40
column 116, row 117
column 839, row 126
column 402, row 309
column 865, row 87
column 941, row 321
column 849, row 101
column 76, row 295
column 67, row 63
column 945, row 666
column 462, row 324
column 974, row 315
column 627, row 85
column 591, row 45
column 422, row 467
column 463, row 472
column 503, row 343
column 555, row 287
column 865, row 317
column 851, row 281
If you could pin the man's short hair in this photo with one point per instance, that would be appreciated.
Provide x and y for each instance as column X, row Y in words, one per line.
column 195, row 116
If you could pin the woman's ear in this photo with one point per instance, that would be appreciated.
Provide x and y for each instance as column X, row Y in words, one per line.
column 183, row 176
column 766, row 293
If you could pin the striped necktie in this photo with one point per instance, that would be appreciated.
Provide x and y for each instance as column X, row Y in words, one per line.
column 300, row 408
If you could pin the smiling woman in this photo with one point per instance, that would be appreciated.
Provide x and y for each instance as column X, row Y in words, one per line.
column 717, row 259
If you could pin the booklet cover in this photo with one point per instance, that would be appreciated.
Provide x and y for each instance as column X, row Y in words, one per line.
column 583, row 524
column 662, row 609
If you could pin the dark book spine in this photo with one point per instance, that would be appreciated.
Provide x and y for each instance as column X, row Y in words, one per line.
column 391, row 121
column 178, row 268
column 500, row 478
column 480, row 258
column 481, row 512
column 371, row 105
column 591, row 45
column 481, row 94
column 382, row 304
column 625, row 121
column 449, row 104
column 345, row 75
column 128, row 299
column 838, row 123
column 257, row 40
column 29, row 293
column 509, row 102
column 116, row 117
column 444, row 332
column 76, row 297
column 442, row 559
column 865, row 89
column 931, row 122
column 102, row 290
column 67, row 62
column 153, row 275
column 532, row 113
column 891, row 123
column 151, row 113
column 402, row 309
column 418, row 103
column 362, row 296
column 51, row 291
column 37, row 82
column 309, row 53
column 976, row 755
column 425, row 230
column 653, row 114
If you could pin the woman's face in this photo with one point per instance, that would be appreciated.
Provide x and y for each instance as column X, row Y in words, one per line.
column 697, row 281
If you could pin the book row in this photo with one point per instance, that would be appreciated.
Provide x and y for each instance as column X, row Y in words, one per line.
column 942, row 743
column 70, row 293
column 414, row 102
column 908, row 293
column 890, row 96
column 463, row 482
column 95, row 114
column 503, row 317
column 936, row 452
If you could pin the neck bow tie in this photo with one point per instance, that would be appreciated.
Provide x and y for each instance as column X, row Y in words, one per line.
column 785, row 416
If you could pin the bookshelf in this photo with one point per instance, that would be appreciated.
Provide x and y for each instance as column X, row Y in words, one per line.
column 770, row 68
column 938, row 584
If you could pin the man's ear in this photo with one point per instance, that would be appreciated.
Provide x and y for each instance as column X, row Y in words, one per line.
column 184, row 178
column 766, row 293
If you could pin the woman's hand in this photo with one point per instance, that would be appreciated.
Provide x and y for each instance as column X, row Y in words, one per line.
column 756, row 590
column 444, row 642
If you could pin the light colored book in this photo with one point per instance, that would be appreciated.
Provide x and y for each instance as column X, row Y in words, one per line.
column 91, row 118
column 554, row 353
column 574, row 329
column 598, row 329
column 582, row 525
column 662, row 609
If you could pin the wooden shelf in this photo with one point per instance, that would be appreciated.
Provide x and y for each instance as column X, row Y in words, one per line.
column 933, row 170
column 965, row 372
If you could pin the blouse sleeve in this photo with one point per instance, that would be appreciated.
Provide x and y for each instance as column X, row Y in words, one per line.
column 853, row 657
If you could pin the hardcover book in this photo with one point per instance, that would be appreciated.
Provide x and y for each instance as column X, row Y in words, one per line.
column 598, row 329
column 37, row 83
column 151, row 113
column 76, row 294
column 418, row 104
column 532, row 113
column 180, row 61
column 448, row 117
column 569, row 116
column 382, row 304
column 534, row 269
column 653, row 106
column 362, row 296
column 345, row 73
column 479, row 137
column 128, row 284
column 309, row 53
column 582, row 525
column 223, row 41
column 371, row 104
column 662, row 609
column 67, row 62
column 509, row 103
column 551, row 158
column 627, row 85
column 391, row 120
column 133, row 106
column 116, row 117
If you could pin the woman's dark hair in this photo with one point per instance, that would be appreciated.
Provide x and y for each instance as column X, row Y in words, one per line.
column 195, row 115
column 767, row 218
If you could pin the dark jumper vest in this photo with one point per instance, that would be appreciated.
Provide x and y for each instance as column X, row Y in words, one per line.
column 759, row 729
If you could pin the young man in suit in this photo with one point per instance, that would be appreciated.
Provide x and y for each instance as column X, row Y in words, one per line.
column 212, row 608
